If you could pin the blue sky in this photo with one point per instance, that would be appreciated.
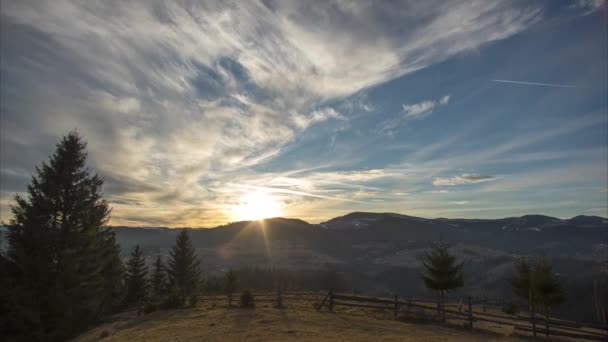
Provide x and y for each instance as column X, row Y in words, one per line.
column 317, row 109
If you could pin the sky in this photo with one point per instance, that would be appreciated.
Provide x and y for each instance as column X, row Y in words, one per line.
column 195, row 112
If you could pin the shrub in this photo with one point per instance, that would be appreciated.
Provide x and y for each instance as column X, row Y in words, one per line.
column 104, row 333
column 173, row 301
column 247, row 300
column 510, row 308
column 150, row 307
column 193, row 300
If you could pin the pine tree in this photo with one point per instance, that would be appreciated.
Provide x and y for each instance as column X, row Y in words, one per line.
column 58, row 246
column 113, row 271
column 521, row 284
column 230, row 285
column 183, row 267
column 442, row 273
column 158, row 279
column 137, row 272
column 537, row 284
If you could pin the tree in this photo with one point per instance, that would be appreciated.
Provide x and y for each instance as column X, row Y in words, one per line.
column 158, row 279
column 230, row 285
column 113, row 271
column 442, row 273
column 183, row 267
column 136, row 278
column 537, row 283
column 546, row 286
column 59, row 252
column 521, row 284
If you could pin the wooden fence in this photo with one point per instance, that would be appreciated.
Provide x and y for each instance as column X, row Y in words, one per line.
column 467, row 311
column 537, row 324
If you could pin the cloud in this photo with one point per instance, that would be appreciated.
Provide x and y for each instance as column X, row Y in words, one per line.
column 317, row 116
column 411, row 111
column 459, row 202
column 419, row 110
column 179, row 98
column 465, row 178
column 589, row 6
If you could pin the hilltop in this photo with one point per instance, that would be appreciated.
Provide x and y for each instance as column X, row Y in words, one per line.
column 213, row 321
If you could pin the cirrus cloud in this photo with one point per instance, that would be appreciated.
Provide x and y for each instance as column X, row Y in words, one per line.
column 465, row 178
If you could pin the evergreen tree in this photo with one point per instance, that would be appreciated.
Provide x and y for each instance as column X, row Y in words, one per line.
column 183, row 267
column 58, row 247
column 113, row 270
column 537, row 284
column 548, row 290
column 521, row 284
column 442, row 273
column 137, row 272
column 230, row 285
column 158, row 279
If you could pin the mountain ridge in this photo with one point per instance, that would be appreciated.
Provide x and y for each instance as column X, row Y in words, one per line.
column 579, row 219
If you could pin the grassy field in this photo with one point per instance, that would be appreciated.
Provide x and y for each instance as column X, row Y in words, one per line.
column 212, row 320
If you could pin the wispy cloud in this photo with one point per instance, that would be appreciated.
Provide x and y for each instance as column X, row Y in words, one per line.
column 465, row 178
column 177, row 101
column 536, row 84
column 411, row 111
column 589, row 6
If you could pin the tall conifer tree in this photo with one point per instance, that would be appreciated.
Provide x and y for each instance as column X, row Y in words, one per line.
column 158, row 279
column 183, row 267
column 442, row 273
column 137, row 272
column 59, row 248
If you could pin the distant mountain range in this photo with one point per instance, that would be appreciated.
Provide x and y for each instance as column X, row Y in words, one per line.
column 383, row 252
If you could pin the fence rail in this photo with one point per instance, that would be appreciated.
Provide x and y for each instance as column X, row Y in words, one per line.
column 537, row 325
column 468, row 311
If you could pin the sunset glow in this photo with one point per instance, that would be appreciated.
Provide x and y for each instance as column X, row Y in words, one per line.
column 256, row 206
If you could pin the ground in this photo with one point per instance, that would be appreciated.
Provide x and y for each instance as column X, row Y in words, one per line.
column 213, row 320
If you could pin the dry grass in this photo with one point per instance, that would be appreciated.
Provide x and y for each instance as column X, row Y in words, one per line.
column 213, row 321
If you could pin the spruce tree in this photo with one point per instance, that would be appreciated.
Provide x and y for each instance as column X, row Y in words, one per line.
column 183, row 267
column 137, row 272
column 113, row 271
column 521, row 284
column 158, row 279
column 59, row 248
column 442, row 273
column 230, row 285
column 547, row 288
column 537, row 284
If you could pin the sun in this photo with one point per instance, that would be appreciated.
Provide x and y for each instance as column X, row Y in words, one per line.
column 256, row 206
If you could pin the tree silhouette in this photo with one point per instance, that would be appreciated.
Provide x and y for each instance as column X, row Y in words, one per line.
column 537, row 283
column 521, row 284
column 136, row 278
column 442, row 273
column 183, row 267
column 230, row 285
column 547, row 288
column 158, row 279
column 62, row 260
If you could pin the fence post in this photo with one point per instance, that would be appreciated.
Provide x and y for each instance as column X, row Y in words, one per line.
column 279, row 298
column 470, row 314
column 532, row 315
column 396, row 307
column 547, row 322
column 331, row 300
column 409, row 305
